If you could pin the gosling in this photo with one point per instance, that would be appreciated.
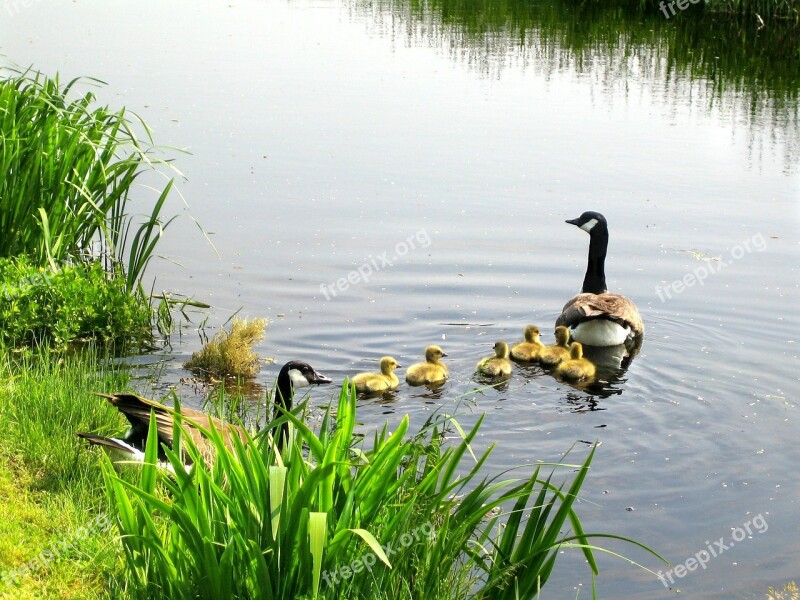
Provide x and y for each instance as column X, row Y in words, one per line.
column 430, row 371
column 497, row 365
column 530, row 349
column 378, row 382
column 550, row 356
column 576, row 368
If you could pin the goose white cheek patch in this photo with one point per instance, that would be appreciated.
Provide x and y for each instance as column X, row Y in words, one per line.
column 298, row 379
column 589, row 225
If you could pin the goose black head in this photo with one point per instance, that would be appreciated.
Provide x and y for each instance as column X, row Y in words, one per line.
column 296, row 374
column 589, row 221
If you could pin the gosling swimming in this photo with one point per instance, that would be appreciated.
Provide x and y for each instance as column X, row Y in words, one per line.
column 497, row 365
column 576, row 368
column 378, row 382
column 430, row 371
column 550, row 356
column 529, row 349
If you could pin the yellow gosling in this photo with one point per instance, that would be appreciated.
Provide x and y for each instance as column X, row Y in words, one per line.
column 550, row 356
column 497, row 365
column 378, row 382
column 576, row 368
column 430, row 371
column 529, row 349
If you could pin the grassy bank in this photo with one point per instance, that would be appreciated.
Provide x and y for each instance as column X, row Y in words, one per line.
column 54, row 539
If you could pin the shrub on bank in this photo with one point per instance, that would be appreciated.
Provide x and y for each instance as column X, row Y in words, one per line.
column 74, row 303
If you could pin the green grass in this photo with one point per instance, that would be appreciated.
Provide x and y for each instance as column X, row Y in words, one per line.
column 305, row 522
column 50, row 485
column 67, row 171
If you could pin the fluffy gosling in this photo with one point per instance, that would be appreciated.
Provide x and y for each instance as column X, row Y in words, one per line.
column 430, row 371
column 550, row 356
column 576, row 368
column 378, row 382
column 497, row 365
column 529, row 349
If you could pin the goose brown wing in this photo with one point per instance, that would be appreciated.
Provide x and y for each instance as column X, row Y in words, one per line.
column 613, row 307
column 137, row 410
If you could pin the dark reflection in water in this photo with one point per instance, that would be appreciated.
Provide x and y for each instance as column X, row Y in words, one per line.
column 749, row 74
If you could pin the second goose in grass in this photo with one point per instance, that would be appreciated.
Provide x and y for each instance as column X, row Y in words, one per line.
column 378, row 382
column 595, row 317
column 529, row 349
column 497, row 365
column 576, row 368
column 430, row 371
column 131, row 446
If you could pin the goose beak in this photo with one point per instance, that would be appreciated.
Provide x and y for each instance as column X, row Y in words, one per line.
column 444, row 354
column 575, row 222
column 319, row 378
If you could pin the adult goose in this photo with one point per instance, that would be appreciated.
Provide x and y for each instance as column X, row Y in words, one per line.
column 131, row 446
column 596, row 317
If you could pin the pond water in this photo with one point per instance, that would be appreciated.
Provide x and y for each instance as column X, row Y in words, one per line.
column 443, row 148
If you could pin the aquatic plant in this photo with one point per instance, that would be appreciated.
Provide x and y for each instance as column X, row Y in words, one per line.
column 332, row 516
column 230, row 353
column 67, row 170
column 788, row 592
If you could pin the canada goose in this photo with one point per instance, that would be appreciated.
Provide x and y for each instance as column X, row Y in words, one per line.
column 595, row 317
column 137, row 410
column 529, row 349
column 430, row 371
column 294, row 374
column 554, row 354
column 497, row 365
column 378, row 382
column 576, row 368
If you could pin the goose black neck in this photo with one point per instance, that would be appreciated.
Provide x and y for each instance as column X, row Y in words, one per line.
column 283, row 398
column 285, row 390
column 594, row 282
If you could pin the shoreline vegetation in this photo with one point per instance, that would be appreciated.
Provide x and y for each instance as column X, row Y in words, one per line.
column 75, row 241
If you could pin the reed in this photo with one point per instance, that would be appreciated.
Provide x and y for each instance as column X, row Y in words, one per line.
column 67, row 172
column 331, row 516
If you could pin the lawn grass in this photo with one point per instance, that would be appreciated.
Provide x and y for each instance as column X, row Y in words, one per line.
column 54, row 536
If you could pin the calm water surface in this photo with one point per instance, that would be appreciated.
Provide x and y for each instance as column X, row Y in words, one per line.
column 324, row 135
